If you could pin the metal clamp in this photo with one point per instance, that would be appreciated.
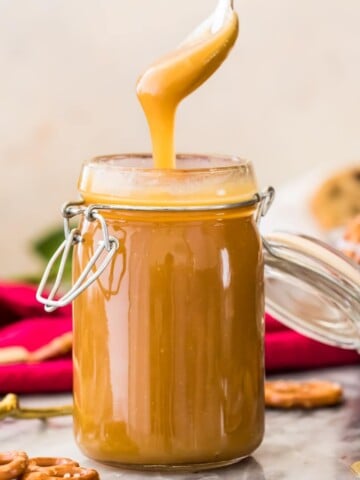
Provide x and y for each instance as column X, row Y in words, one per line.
column 72, row 236
column 266, row 199
column 110, row 244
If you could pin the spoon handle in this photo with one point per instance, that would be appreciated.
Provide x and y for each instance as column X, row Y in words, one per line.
column 10, row 407
column 45, row 412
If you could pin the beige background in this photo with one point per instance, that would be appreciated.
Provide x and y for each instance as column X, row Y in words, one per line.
column 288, row 97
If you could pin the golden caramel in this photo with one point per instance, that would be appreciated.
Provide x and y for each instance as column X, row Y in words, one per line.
column 168, row 342
column 168, row 355
column 172, row 78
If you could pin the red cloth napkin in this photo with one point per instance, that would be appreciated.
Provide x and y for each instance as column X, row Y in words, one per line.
column 24, row 322
column 289, row 350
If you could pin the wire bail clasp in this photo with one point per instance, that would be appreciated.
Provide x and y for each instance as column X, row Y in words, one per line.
column 73, row 236
column 265, row 200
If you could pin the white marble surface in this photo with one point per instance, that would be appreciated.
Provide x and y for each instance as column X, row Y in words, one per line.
column 318, row 445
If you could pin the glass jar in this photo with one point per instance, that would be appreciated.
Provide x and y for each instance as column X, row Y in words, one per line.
column 168, row 309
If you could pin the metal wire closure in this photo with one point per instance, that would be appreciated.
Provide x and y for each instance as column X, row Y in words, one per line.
column 110, row 244
column 266, row 199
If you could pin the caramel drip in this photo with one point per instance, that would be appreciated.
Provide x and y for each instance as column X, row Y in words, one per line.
column 172, row 78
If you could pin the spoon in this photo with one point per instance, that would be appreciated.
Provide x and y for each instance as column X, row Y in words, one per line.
column 213, row 23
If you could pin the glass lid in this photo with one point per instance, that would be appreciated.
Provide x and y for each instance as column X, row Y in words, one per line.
column 313, row 289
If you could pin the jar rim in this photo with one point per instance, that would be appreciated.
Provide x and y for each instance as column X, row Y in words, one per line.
column 199, row 179
column 138, row 162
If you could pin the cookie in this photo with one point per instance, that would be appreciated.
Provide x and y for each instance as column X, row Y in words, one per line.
column 350, row 245
column 338, row 199
column 308, row 394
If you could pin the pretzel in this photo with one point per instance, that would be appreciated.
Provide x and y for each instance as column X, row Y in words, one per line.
column 310, row 394
column 12, row 464
column 39, row 464
column 13, row 355
column 61, row 471
column 58, row 346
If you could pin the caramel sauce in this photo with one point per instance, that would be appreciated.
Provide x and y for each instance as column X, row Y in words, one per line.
column 172, row 78
column 168, row 342
column 168, row 356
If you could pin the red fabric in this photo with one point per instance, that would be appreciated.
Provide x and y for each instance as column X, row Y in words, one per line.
column 24, row 322
column 289, row 350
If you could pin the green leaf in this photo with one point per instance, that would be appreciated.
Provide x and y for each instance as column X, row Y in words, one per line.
column 45, row 246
